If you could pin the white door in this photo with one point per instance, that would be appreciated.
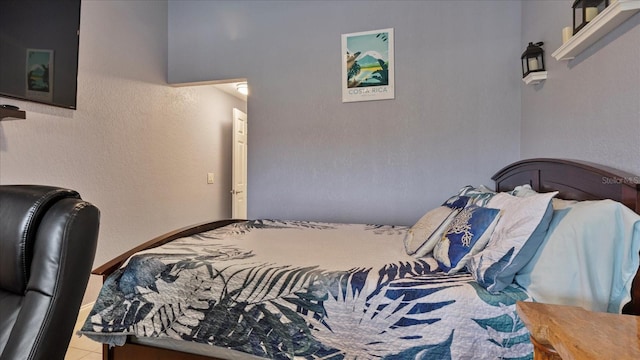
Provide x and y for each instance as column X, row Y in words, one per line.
column 239, row 171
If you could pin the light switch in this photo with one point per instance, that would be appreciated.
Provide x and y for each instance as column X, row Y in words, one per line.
column 209, row 178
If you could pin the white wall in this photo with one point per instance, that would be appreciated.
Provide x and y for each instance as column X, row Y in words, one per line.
column 136, row 147
column 589, row 107
column 455, row 119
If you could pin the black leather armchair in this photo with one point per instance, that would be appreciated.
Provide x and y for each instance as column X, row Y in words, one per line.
column 48, row 240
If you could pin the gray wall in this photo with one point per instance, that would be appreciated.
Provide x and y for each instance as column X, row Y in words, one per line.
column 455, row 119
column 589, row 107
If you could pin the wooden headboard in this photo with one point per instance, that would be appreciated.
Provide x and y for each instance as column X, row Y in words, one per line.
column 577, row 180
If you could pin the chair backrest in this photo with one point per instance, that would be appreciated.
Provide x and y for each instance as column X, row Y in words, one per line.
column 48, row 239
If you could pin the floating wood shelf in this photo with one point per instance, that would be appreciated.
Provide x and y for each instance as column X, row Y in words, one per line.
column 610, row 18
column 9, row 113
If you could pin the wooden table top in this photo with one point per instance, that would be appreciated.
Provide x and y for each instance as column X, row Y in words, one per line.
column 579, row 334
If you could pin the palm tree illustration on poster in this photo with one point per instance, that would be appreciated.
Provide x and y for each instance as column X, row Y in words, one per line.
column 367, row 66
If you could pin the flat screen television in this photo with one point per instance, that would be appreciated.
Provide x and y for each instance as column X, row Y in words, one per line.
column 39, row 50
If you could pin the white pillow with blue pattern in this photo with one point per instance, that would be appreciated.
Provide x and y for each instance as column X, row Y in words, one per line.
column 467, row 234
column 515, row 240
column 478, row 195
column 426, row 232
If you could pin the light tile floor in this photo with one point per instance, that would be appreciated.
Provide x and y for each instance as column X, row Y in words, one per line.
column 81, row 347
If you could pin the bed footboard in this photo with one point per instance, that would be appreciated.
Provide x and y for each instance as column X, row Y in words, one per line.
column 111, row 266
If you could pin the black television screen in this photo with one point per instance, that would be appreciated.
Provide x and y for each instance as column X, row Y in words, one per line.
column 39, row 50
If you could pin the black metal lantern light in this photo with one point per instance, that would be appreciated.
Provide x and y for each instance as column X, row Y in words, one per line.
column 585, row 10
column 532, row 59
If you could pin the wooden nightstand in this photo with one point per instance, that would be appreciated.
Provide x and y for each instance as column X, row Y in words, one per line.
column 569, row 332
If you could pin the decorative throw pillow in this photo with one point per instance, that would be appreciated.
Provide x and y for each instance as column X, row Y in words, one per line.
column 515, row 240
column 478, row 195
column 425, row 233
column 467, row 234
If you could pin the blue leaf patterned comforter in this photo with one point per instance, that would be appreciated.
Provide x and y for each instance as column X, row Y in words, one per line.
column 291, row 289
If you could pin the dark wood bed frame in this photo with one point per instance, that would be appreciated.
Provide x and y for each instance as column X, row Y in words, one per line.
column 575, row 180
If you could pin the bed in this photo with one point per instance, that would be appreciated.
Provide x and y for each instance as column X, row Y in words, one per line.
column 284, row 289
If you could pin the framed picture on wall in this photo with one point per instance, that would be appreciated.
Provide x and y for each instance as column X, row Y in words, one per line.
column 39, row 75
column 367, row 66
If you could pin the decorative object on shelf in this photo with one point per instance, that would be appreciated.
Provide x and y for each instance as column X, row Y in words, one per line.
column 590, row 13
column 11, row 111
column 586, row 10
column 617, row 12
column 567, row 33
column 9, row 107
column 532, row 58
column 242, row 88
column 533, row 70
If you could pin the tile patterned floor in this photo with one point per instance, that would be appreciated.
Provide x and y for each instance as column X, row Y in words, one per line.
column 80, row 347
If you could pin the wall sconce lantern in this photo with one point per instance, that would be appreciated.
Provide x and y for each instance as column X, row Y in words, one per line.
column 585, row 10
column 533, row 70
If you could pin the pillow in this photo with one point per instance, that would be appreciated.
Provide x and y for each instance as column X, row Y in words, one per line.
column 467, row 234
column 559, row 204
column 526, row 190
column 482, row 194
column 523, row 191
column 478, row 195
column 424, row 234
column 515, row 240
column 588, row 258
